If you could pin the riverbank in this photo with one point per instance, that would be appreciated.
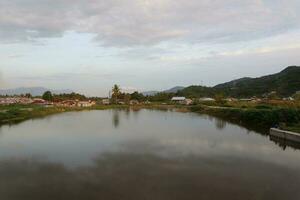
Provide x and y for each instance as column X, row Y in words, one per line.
column 17, row 113
column 261, row 118
column 254, row 118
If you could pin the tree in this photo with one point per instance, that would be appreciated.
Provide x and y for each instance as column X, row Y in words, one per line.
column 28, row 95
column 115, row 93
column 219, row 98
column 127, row 98
column 137, row 96
column 47, row 96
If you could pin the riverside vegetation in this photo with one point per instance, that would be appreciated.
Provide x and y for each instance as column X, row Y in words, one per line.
column 258, row 116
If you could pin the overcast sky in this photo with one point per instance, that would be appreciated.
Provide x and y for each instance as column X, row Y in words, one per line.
column 88, row 45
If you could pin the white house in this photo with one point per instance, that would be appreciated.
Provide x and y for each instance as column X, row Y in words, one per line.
column 85, row 103
column 206, row 99
column 182, row 100
column 178, row 99
column 105, row 101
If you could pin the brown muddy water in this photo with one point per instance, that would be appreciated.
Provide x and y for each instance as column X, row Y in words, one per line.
column 144, row 154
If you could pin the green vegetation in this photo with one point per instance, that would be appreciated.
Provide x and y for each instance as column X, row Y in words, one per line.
column 116, row 91
column 291, row 127
column 47, row 96
column 285, row 83
column 17, row 113
column 262, row 117
column 71, row 96
column 197, row 91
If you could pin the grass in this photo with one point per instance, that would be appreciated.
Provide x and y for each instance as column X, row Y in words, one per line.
column 17, row 113
column 259, row 117
column 251, row 115
column 291, row 127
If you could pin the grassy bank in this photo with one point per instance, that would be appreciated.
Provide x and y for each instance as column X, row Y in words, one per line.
column 259, row 117
column 18, row 113
column 255, row 117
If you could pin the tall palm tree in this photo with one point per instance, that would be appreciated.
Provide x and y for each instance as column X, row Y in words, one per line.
column 115, row 93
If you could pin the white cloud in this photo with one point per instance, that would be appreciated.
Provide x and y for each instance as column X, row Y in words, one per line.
column 145, row 22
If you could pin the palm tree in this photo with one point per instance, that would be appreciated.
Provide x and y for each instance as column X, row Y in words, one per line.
column 115, row 93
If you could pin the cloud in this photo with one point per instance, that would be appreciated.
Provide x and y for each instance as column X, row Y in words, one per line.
column 145, row 22
column 63, row 77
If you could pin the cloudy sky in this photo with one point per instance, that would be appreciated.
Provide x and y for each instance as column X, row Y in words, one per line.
column 88, row 45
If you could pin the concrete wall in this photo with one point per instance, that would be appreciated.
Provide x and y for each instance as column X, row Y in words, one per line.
column 288, row 135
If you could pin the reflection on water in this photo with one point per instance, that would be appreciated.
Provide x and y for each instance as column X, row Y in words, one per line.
column 220, row 124
column 143, row 154
column 116, row 118
column 134, row 176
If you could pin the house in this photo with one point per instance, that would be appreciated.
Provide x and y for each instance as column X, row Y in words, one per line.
column 188, row 101
column 25, row 101
column 85, row 103
column 180, row 100
column 38, row 101
column 7, row 101
column 134, row 102
column 288, row 99
column 230, row 99
column 105, row 101
column 206, row 99
column 67, row 103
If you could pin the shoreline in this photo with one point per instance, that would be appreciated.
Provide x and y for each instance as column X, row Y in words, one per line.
column 259, row 120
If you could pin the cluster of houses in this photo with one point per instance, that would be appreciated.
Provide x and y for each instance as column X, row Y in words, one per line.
column 39, row 101
column 186, row 101
column 89, row 103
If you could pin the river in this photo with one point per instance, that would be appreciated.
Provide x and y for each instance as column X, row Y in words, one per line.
column 143, row 154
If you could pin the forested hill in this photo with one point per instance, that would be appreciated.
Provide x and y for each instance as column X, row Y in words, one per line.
column 285, row 83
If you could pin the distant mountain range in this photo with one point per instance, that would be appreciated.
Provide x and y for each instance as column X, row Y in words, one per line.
column 285, row 83
column 172, row 90
column 34, row 91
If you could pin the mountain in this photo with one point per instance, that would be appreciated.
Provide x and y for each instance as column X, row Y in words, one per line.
column 197, row 91
column 174, row 89
column 285, row 83
column 34, row 91
column 171, row 90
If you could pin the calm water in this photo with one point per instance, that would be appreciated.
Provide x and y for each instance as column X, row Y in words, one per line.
column 145, row 154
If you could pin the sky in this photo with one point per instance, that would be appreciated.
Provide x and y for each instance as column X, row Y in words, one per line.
column 89, row 45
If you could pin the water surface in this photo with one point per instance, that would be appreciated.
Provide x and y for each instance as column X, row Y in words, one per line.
column 143, row 154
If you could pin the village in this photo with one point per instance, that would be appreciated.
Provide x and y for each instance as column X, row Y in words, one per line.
column 180, row 100
column 43, row 102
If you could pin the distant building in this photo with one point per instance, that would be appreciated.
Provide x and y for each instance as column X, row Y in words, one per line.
column 182, row 100
column 15, row 100
column 188, row 101
column 230, row 99
column 134, row 102
column 288, row 99
column 105, row 101
column 85, row 103
column 39, row 101
column 206, row 99
column 67, row 103
column 178, row 99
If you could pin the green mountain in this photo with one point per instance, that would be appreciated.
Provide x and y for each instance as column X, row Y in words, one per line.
column 285, row 83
